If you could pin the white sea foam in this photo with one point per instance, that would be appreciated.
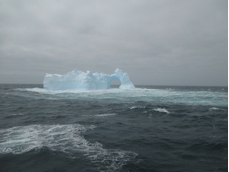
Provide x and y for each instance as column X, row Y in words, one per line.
column 214, row 108
column 65, row 138
column 133, row 95
column 104, row 115
column 133, row 107
column 21, row 139
column 15, row 114
column 137, row 107
column 100, row 115
column 163, row 110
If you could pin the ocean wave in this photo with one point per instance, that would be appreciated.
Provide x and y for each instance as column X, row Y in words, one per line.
column 137, row 107
column 214, row 108
column 163, row 110
column 103, row 115
column 100, row 115
column 116, row 95
column 15, row 114
column 65, row 138
column 45, row 91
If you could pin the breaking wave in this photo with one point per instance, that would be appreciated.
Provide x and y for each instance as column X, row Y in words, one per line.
column 130, row 96
column 104, row 115
column 65, row 138
column 214, row 108
column 100, row 115
column 15, row 114
column 163, row 110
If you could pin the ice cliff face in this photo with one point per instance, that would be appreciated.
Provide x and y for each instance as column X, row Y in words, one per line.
column 77, row 80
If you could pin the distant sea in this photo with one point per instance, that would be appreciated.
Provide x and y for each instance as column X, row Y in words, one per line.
column 147, row 129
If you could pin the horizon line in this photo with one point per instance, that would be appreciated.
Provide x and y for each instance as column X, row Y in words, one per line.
column 134, row 85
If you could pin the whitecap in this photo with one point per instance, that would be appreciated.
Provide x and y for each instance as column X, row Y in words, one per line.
column 45, row 91
column 100, row 115
column 65, row 138
column 133, row 107
column 212, row 98
column 137, row 107
column 108, row 114
column 213, row 108
column 21, row 139
column 15, row 114
column 163, row 110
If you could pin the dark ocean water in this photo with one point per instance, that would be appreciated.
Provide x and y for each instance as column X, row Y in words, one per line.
column 150, row 128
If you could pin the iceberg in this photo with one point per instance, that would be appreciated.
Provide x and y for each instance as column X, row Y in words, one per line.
column 78, row 80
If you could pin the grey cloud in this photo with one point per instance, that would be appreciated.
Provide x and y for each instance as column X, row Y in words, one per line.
column 157, row 42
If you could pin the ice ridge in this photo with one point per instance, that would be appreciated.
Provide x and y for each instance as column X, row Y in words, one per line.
column 78, row 80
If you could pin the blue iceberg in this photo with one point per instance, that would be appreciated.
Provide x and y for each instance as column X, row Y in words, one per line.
column 78, row 80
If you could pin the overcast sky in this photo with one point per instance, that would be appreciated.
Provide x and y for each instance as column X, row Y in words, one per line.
column 157, row 42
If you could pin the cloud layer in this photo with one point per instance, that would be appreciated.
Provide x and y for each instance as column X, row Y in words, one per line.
column 157, row 42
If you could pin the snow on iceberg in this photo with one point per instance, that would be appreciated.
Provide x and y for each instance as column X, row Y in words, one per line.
column 78, row 80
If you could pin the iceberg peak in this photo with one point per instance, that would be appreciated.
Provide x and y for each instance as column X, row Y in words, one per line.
column 118, row 70
column 78, row 80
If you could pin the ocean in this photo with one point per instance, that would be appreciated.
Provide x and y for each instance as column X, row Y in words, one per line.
column 147, row 129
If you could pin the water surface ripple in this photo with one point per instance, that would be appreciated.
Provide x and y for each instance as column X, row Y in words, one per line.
column 150, row 128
